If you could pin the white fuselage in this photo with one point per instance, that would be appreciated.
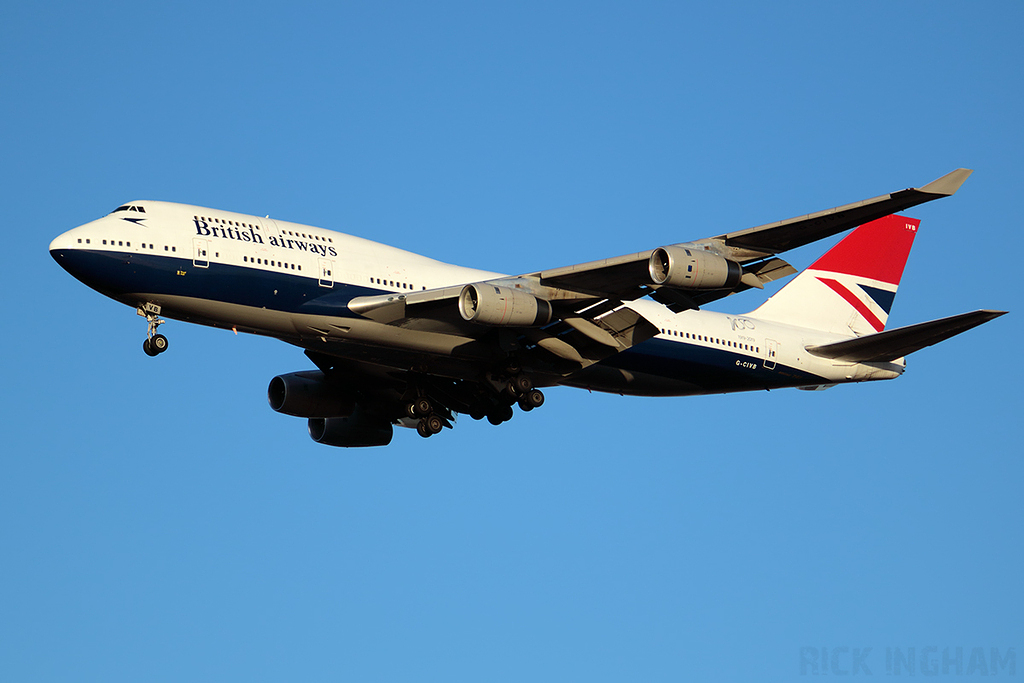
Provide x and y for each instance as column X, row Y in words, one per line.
column 294, row 282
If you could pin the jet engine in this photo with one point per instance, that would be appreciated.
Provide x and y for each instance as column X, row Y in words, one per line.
column 308, row 394
column 693, row 269
column 359, row 429
column 503, row 306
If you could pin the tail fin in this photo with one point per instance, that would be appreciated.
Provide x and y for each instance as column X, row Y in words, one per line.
column 851, row 288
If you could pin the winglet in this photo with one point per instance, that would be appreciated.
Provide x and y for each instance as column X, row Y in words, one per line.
column 949, row 183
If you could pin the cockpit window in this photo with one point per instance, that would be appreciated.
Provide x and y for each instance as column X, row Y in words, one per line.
column 120, row 208
column 129, row 207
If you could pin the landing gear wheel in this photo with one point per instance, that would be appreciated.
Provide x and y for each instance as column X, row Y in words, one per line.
column 423, row 430
column 518, row 385
column 155, row 344
column 434, row 423
column 422, row 407
column 158, row 343
column 534, row 398
column 500, row 414
column 522, row 383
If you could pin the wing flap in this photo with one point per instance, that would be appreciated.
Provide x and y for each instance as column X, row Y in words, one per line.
column 893, row 344
column 585, row 342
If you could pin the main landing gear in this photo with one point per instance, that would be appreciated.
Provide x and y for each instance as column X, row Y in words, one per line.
column 517, row 389
column 430, row 423
column 155, row 344
column 520, row 388
column 431, row 407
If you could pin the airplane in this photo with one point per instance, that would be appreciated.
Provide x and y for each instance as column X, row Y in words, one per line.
column 399, row 339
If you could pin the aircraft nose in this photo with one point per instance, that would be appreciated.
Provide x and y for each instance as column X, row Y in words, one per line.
column 58, row 243
column 61, row 245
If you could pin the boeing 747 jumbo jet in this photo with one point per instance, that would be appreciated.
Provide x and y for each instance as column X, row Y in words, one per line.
column 401, row 339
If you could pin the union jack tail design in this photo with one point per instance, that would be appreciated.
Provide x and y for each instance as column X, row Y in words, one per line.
column 851, row 288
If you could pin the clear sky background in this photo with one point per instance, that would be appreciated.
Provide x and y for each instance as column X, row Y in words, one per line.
column 158, row 522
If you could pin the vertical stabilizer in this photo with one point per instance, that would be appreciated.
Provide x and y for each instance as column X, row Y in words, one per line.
column 851, row 288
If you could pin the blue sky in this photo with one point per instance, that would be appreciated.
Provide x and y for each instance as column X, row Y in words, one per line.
column 159, row 522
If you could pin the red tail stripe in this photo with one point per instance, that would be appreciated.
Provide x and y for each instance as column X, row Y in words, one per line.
column 852, row 299
column 876, row 250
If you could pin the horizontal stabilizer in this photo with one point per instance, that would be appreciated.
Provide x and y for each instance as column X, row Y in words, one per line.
column 893, row 344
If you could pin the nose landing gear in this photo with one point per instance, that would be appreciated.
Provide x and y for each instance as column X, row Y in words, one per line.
column 155, row 344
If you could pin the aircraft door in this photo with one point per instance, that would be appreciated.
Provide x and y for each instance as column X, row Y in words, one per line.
column 200, row 258
column 326, row 272
column 771, row 353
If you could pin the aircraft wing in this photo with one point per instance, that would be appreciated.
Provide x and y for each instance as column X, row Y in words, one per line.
column 577, row 314
column 573, row 330
column 796, row 232
column 753, row 248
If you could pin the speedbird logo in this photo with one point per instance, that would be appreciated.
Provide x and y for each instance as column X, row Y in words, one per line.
column 204, row 229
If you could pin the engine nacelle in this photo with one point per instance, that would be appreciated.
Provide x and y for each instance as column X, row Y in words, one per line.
column 688, row 268
column 358, row 430
column 503, row 306
column 308, row 394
